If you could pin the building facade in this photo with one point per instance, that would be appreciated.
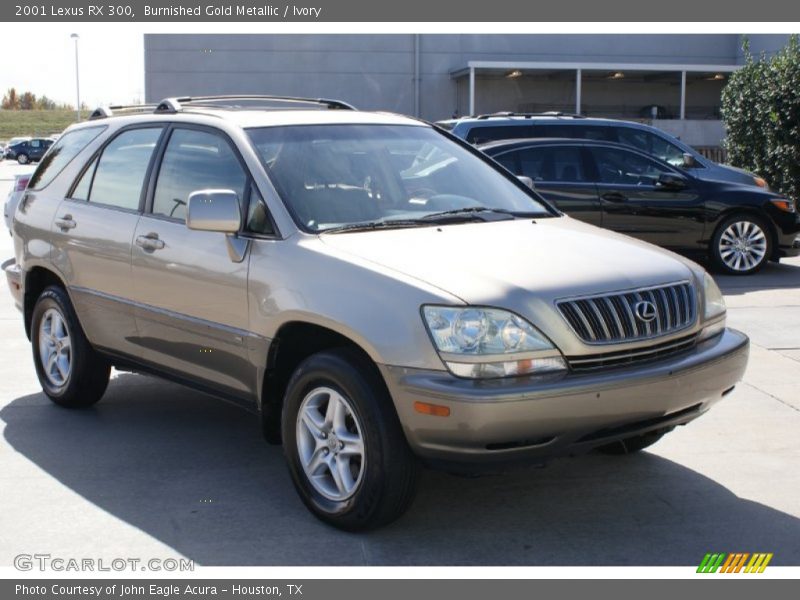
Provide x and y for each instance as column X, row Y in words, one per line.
column 672, row 80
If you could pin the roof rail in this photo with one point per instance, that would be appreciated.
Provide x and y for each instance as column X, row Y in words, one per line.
column 176, row 104
column 528, row 115
column 104, row 112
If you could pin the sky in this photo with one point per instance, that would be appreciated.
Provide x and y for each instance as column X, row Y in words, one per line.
column 111, row 62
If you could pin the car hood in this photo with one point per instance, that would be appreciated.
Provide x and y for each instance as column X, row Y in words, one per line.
column 516, row 264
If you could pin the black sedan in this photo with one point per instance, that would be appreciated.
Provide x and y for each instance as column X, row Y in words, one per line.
column 616, row 187
column 29, row 150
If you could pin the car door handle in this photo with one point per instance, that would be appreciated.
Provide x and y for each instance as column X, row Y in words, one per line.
column 149, row 242
column 614, row 197
column 66, row 222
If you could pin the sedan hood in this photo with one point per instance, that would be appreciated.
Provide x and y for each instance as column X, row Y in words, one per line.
column 516, row 264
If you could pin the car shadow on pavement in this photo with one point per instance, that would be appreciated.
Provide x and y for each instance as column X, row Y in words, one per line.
column 773, row 276
column 194, row 473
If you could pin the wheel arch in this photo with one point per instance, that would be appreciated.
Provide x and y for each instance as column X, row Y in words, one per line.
column 293, row 342
column 36, row 280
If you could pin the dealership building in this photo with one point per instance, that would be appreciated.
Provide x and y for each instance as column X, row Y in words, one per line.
column 673, row 81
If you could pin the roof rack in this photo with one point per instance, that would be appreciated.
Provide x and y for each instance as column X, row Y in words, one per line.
column 103, row 112
column 528, row 115
column 178, row 104
column 174, row 105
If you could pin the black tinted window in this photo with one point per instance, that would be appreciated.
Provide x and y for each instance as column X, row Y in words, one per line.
column 617, row 166
column 195, row 160
column 652, row 144
column 482, row 135
column 586, row 132
column 122, row 167
column 60, row 155
column 552, row 164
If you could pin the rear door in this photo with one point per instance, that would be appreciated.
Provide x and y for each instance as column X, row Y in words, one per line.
column 560, row 173
column 634, row 203
column 191, row 296
column 92, row 235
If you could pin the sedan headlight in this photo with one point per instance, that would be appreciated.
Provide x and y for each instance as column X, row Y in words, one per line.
column 714, row 311
column 489, row 342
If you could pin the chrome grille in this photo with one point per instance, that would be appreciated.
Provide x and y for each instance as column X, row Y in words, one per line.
column 612, row 318
column 625, row 358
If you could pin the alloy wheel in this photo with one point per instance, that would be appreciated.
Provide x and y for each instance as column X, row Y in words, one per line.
column 55, row 347
column 743, row 246
column 330, row 443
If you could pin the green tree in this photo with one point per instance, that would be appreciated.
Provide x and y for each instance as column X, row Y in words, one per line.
column 761, row 111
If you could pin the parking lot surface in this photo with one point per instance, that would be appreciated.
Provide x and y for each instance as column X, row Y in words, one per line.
column 159, row 471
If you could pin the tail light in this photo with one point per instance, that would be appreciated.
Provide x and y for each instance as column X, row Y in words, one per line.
column 22, row 183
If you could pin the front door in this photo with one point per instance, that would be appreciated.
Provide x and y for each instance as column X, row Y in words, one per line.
column 634, row 203
column 191, row 295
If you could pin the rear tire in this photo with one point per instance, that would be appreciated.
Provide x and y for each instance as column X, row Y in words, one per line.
column 632, row 444
column 23, row 159
column 71, row 373
column 742, row 245
column 345, row 447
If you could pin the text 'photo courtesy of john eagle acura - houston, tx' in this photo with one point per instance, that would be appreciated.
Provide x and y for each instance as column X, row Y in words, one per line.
column 387, row 295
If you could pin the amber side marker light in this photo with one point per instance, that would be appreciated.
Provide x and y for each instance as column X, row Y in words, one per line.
column 760, row 182
column 431, row 409
column 784, row 204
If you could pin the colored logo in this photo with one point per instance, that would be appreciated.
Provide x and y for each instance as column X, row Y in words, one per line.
column 739, row 562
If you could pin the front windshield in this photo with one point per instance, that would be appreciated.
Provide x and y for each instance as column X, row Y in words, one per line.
column 333, row 176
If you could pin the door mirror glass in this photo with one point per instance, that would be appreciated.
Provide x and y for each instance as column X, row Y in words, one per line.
column 214, row 210
column 672, row 181
column 689, row 160
column 526, row 180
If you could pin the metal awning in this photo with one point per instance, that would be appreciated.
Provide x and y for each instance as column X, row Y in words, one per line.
column 474, row 66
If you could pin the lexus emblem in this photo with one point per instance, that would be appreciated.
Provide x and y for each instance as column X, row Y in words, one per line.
column 645, row 311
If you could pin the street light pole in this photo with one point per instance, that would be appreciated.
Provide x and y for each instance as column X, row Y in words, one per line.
column 76, row 37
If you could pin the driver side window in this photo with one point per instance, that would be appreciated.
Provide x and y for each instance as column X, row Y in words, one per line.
column 195, row 160
column 616, row 166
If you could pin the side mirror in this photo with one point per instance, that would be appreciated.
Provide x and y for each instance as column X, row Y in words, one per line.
column 672, row 181
column 689, row 160
column 526, row 180
column 214, row 210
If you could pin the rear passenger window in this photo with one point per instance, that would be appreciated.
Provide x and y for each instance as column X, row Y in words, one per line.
column 552, row 164
column 195, row 160
column 120, row 171
column 66, row 148
column 585, row 132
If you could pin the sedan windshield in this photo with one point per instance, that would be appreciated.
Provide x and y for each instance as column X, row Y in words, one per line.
column 336, row 177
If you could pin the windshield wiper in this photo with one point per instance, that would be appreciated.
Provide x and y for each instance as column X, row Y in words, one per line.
column 482, row 213
column 373, row 225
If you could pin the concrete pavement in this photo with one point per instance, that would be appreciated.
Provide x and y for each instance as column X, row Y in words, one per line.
column 156, row 470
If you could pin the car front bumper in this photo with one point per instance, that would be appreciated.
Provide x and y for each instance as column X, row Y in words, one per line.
column 531, row 419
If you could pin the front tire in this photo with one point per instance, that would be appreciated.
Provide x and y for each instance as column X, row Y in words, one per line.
column 70, row 372
column 23, row 159
column 347, row 455
column 741, row 245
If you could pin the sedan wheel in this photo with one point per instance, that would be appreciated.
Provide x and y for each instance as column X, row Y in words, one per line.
column 741, row 246
column 22, row 159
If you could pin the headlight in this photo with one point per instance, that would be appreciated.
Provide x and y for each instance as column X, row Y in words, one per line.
column 489, row 342
column 714, row 309
column 715, row 303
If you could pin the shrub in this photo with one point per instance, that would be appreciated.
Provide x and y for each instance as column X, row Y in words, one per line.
column 761, row 111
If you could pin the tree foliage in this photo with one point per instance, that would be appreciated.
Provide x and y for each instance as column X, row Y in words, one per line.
column 13, row 100
column 761, row 111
